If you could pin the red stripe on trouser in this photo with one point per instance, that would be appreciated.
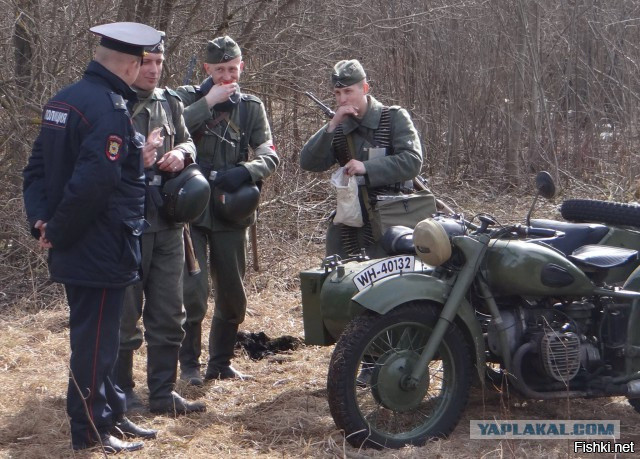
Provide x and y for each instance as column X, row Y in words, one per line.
column 95, row 357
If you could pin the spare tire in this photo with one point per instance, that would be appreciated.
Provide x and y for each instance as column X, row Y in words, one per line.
column 608, row 212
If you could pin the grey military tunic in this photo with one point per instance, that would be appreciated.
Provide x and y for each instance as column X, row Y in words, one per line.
column 219, row 147
column 223, row 244
column 162, row 244
column 402, row 161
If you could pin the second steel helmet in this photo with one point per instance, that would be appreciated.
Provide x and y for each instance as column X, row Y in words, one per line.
column 236, row 206
column 186, row 196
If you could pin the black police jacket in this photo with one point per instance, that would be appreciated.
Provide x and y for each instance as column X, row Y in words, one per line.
column 85, row 179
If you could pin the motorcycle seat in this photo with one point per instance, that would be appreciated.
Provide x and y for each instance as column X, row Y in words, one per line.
column 602, row 257
column 575, row 234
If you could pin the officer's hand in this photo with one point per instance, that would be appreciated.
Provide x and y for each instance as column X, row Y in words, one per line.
column 172, row 161
column 149, row 151
column 341, row 113
column 43, row 242
column 220, row 93
column 355, row 167
column 232, row 179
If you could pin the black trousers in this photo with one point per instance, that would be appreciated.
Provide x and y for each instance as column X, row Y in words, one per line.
column 94, row 324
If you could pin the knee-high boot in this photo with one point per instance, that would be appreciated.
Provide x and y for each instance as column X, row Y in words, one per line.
column 162, row 370
column 222, row 341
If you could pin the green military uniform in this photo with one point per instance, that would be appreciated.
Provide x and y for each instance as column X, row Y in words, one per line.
column 222, row 142
column 386, row 172
column 162, row 259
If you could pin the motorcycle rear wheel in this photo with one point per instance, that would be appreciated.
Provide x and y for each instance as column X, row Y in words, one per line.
column 371, row 358
column 592, row 210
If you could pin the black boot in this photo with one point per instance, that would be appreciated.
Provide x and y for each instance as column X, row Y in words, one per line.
column 124, row 370
column 124, row 428
column 191, row 346
column 162, row 370
column 191, row 375
column 124, row 379
column 222, row 341
column 176, row 405
column 111, row 445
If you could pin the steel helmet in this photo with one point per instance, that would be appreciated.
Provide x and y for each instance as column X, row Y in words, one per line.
column 186, row 196
column 236, row 206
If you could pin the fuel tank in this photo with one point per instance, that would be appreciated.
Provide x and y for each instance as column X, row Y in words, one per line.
column 529, row 269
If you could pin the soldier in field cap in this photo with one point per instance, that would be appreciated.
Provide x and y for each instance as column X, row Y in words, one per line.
column 225, row 125
column 84, row 196
column 158, row 298
column 376, row 143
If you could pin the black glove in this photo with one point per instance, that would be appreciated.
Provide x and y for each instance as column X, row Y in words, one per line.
column 232, row 179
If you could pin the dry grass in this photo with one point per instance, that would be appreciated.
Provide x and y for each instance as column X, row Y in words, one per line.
column 283, row 412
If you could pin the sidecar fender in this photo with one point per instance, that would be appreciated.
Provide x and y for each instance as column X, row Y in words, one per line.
column 391, row 292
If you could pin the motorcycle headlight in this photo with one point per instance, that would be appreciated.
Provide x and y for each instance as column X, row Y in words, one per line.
column 431, row 242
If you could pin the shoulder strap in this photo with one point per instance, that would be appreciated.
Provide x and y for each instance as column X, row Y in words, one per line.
column 244, row 137
column 118, row 101
column 140, row 106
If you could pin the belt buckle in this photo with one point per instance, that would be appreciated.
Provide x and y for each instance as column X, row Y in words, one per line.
column 212, row 175
column 157, row 180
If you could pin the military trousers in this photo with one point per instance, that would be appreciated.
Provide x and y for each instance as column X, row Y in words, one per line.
column 94, row 321
column 158, row 298
column 221, row 255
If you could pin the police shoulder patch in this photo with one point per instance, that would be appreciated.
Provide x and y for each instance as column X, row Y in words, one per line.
column 118, row 101
column 113, row 148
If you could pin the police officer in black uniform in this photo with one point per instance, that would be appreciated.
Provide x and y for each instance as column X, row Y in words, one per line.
column 84, row 195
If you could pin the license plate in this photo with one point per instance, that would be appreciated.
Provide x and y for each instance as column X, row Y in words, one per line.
column 384, row 268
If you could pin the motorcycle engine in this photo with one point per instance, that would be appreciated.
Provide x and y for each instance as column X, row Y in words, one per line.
column 560, row 353
column 560, row 334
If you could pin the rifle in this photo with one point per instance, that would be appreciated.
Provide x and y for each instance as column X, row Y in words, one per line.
column 189, row 253
column 417, row 181
column 189, row 73
column 327, row 111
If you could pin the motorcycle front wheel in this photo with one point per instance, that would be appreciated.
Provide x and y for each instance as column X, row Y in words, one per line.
column 367, row 391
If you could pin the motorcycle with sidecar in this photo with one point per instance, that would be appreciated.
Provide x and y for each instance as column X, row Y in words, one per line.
column 463, row 301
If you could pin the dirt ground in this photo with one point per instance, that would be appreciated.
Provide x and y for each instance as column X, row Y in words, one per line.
column 283, row 412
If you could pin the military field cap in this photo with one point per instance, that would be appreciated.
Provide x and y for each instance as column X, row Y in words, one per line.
column 158, row 48
column 346, row 73
column 221, row 49
column 127, row 37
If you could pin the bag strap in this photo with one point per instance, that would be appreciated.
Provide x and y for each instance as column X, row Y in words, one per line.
column 141, row 106
column 365, row 203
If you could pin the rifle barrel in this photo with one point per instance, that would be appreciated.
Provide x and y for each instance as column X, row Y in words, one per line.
column 327, row 111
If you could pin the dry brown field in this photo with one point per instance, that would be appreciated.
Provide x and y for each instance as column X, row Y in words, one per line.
column 283, row 412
